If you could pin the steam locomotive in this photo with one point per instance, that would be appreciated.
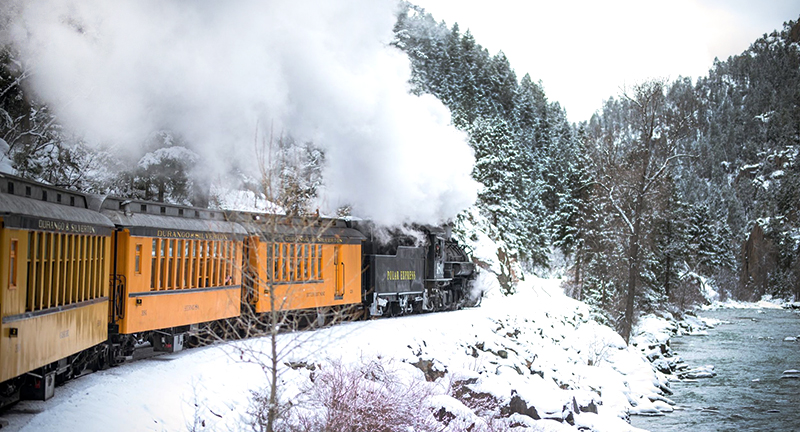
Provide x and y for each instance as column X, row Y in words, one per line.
column 85, row 280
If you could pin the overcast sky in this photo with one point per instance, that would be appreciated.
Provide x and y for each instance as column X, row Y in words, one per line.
column 585, row 51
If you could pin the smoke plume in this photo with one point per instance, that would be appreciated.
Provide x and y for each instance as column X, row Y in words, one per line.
column 217, row 72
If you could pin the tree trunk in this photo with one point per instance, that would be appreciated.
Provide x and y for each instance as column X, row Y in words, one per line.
column 633, row 274
column 272, row 412
column 633, row 266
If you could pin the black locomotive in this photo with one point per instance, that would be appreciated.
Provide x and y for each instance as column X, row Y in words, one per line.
column 421, row 270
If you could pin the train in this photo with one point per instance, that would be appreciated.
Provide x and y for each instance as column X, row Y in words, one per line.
column 87, row 280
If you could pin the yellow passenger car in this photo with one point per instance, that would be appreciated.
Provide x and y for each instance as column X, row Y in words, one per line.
column 303, row 264
column 54, row 267
column 175, row 266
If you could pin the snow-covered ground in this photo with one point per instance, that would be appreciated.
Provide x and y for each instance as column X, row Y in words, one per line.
column 535, row 353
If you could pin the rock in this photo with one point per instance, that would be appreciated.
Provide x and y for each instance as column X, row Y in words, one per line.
column 570, row 418
column 301, row 365
column 472, row 399
column 662, row 365
column 519, row 406
column 591, row 408
column 443, row 416
column 658, row 397
column 648, row 411
column 502, row 354
column 790, row 339
column 431, row 373
column 698, row 373
column 663, row 406
column 791, row 374
column 664, row 389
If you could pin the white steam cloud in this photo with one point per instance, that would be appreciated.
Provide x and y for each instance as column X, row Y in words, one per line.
column 215, row 72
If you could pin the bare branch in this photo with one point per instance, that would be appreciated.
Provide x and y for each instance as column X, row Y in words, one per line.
column 617, row 207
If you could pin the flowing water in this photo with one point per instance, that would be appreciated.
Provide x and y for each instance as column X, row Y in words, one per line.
column 750, row 355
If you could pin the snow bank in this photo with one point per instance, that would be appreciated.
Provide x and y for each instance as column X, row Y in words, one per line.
column 766, row 302
column 536, row 356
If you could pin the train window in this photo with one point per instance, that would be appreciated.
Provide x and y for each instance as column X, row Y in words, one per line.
column 137, row 264
column 319, row 262
column 162, row 265
column 68, row 242
column 313, row 262
column 153, row 265
column 143, row 207
column 214, row 263
column 58, row 197
column 208, row 264
column 27, row 191
column 12, row 265
column 192, row 272
column 272, row 263
column 178, row 264
column 200, row 263
column 180, row 212
column 283, row 262
column 224, row 273
column 171, row 265
column 11, row 188
column 72, row 201
column 62, row 269
column 292, row 262
column 44, row 195
column 305, row 262
column 231, row 259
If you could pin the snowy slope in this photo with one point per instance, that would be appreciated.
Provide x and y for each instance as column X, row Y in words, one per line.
column 534, row 349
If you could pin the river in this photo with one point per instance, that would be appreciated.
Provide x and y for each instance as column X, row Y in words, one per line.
column 749, row 354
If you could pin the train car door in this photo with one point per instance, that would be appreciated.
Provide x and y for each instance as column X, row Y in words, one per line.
column 339, row 266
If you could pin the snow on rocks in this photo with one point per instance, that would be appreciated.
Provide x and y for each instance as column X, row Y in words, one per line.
column 652, row 336
column 706, row 371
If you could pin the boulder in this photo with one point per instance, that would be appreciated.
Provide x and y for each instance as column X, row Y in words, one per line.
column 519, row 406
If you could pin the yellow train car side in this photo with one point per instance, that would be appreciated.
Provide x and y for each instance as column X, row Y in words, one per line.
column 177, row 282
column 304, row 275
column 54, row 267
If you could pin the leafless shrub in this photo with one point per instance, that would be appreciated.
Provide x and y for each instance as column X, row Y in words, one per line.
column 370, row 397
column 598, row 350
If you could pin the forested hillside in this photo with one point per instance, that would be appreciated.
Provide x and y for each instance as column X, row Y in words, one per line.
column 671, row 190
column 653, row 199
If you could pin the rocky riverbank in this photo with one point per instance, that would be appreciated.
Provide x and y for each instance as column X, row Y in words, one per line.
column 652, row 337
column 654, row 332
